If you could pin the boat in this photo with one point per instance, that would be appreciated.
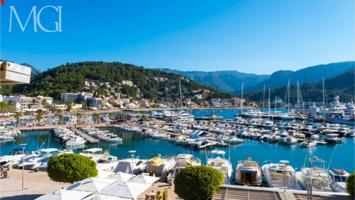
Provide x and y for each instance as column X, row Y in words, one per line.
column 16, row 155
column 338, row 178
column 332, row 138
column 308, row 144
column 106, row 136
column 37, row 158
column 280, row 175
column 221, row 164
column 131, row 166
column 183, row 161
column 317, row 176
column 205, row 144
column 234, row 140
column 248, row 172
column 160, row 167
column 75, row 142
column 98, row 155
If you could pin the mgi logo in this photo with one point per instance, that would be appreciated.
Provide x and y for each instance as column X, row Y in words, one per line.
column 36, row 14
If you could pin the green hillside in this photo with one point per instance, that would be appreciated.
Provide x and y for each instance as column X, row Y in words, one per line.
column 151, row 84
column 342, row 85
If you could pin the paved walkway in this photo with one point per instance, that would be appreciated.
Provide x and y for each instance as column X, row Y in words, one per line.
column 35, row 184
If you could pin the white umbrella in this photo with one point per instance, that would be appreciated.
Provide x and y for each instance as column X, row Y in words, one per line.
column 120, row 177
column 65, row 195
column 104, row 197
column 91, row 184
column 142, row 179
column 125, row 190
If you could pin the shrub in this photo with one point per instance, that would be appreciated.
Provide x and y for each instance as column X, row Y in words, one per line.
column 198, row 182
column 350, row 186
column 70, row 168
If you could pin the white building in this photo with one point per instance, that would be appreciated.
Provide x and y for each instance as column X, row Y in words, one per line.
column 24, row 103
column 12, row 73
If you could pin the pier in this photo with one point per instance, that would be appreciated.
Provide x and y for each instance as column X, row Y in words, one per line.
column 70, row 126
column 87, row 137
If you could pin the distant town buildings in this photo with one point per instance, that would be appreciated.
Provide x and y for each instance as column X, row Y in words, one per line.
column 24, row 103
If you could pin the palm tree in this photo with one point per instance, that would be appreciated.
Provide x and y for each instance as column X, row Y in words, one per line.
column 97, row 117
column 60, row 116
column 17, row 116
column 78, row 117
column 39, row 115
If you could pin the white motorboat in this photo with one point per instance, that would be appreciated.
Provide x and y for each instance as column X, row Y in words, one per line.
column 183, row 161
column 108, row 137
column 309, row 144
column 75, row 142
column 315, row 176
column 280, row 175
column 37, row 158
column 248, row 172
column 234, row 140
column 160, row 167
column 221, row 164
column 16, row 156
column 338, row 178
column 98, row 155
column 131, row 166
column 205, row 144
column 332, row 138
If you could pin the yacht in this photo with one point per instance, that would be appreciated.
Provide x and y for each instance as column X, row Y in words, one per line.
column 75, row 142
column 338, row 178
column 234, row 140
column 332, row 138
column 37, row 158
column 98, row 155
column 308, row 144
column 160, row 167
column 280, row 175
column 131, row 166
column 16, row 155
column 106, row 136
column 183, row 161
column 318, row 176
column 221, row 164
column 248, row 172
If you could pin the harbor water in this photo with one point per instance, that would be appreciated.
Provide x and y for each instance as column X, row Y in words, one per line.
column 336, row 156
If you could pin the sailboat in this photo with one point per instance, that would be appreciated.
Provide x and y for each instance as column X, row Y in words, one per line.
column 280, row 175
column 314, row 175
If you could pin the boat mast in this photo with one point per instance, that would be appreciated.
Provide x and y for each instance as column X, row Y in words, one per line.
column 263, row 106
column 288, row 95
column 323, row 93
column 180, row 93
column 241, row 98
column 268, row 102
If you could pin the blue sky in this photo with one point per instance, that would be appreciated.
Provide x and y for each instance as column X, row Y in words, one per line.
column 258, row 36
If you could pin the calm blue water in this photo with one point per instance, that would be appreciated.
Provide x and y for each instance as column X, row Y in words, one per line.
column 339, row 156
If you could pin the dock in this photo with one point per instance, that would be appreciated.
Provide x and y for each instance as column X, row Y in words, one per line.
column 87, row 137
column 235, row 192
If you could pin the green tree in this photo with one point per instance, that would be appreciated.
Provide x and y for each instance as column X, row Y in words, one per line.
column 7, row 107
column 39, row 115
column 78, row 117
column 350, row 184
column 198, row 182
column 97, row 117
column 18, row 116
column 60, row 115
column 71, row 168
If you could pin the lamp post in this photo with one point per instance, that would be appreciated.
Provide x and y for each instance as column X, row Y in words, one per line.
column 132, row 153
column 23, row 166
